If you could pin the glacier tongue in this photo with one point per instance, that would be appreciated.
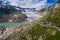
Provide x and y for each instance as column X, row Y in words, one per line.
column 32, row 16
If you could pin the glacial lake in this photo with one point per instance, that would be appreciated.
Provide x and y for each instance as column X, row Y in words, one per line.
column 9, row 24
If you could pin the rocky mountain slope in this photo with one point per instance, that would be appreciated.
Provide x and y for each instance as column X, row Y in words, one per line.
column 9, row 13
column 38, row 32
column 53, row 15
column 44, row 32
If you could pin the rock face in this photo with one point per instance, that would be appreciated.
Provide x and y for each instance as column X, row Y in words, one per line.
column 9, row 13
column 2, row 30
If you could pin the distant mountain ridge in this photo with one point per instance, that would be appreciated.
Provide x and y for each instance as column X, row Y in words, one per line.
column 9, row 12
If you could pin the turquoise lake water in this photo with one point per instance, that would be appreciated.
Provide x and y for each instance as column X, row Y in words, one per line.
column 12, row 24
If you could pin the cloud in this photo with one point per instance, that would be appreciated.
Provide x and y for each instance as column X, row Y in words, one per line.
column 27, row 3
column 38, row 4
